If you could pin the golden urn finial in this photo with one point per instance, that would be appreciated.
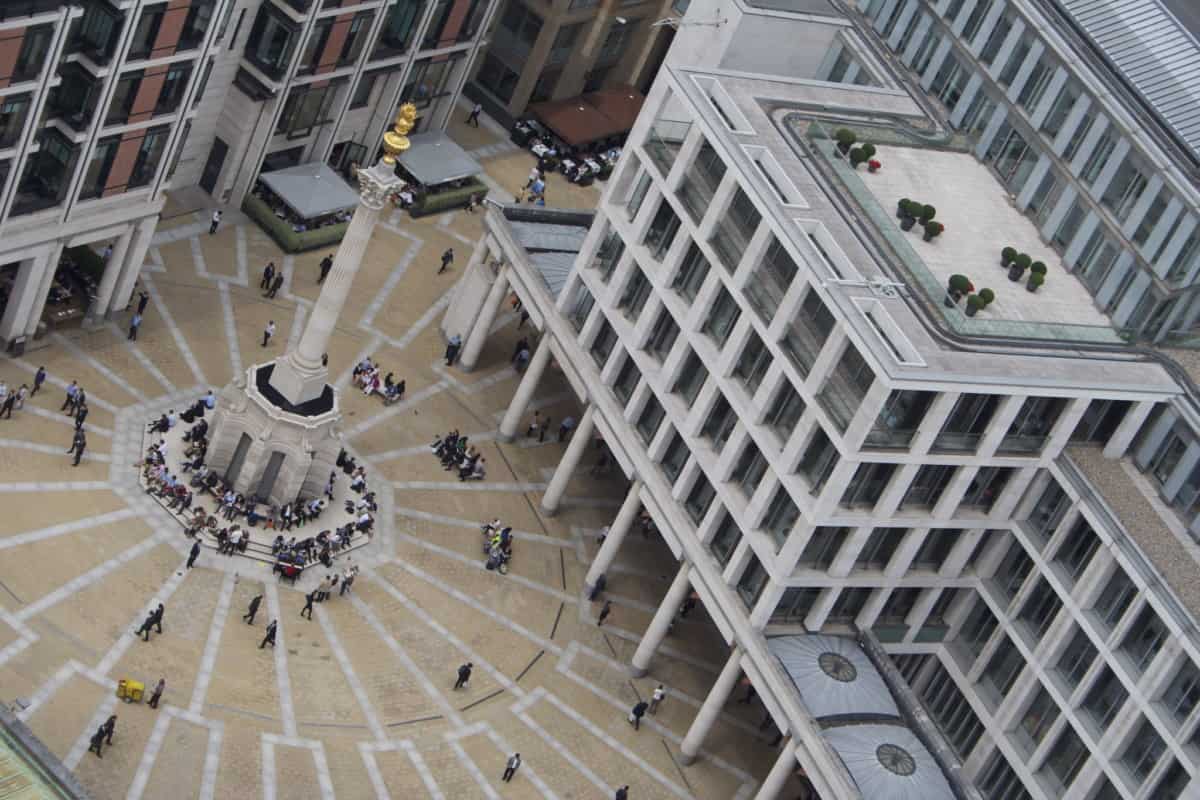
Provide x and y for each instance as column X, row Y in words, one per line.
column 396, row 141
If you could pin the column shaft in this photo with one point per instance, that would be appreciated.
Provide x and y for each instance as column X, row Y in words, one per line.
column 43, row 292
column 616, row 536
column 777, row 778
column 20, row 299
column 525, row 389
column 661, row 622
column 135, row 257
column 717, row 697
column 570, row 461
column 112, row 271
column 483, row 325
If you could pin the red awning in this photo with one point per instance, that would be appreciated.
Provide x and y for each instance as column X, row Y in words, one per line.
column 589, row 118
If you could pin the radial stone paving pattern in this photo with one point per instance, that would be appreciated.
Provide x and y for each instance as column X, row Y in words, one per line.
column 358, row 702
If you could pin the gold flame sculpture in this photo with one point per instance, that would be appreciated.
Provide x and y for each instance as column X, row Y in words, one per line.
column 396, row 141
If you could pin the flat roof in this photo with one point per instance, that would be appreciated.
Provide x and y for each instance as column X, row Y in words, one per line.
column 311, row 190
column 551, row 239
column 784, row 117
column 433, row 158
column 1173, row 556
column 980, row 220
column 834, row 676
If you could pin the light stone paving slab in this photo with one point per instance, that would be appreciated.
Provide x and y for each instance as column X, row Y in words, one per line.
column 209, row 659
column 65, row 528
column 64, row 420
column 112, row 377
column 282, row 678
column 142, row 776
column 231, row 336
column 54, row 380
column 142, row 358
column 177, row 336
column 339, row 652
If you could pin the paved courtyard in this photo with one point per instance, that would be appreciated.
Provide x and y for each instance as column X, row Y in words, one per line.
column 357, row 702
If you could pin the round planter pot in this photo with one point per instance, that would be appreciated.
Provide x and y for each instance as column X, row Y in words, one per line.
column 1029, row 287
column 972, row 311
column 1015, row 273
column 906, row 223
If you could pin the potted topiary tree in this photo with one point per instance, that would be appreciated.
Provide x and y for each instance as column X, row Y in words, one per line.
column 1037, row 276
column 926, row 214
column 987, row 296
column 933, row 229
column 974, row 303
column 956, row 287
column 904, row 208
column 868, row 150
column 1007, row 255
column 1018, row 267
column 845, row 139
column 857, row 156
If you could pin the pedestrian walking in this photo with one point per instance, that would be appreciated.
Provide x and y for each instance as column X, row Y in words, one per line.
column 157, row 694
column 147, row 624
column 636, row 713
column 97, row 742
column 452, row 348
column 69, row 403
column 565, row 428
column 10, row 400
column 326, row 265
column 270, row 637
column 22, row 393
column 308, row 604
column 143, row 301
column 268, row 274
column 447, row 260
column 545, row 427
column 78, row 445
column 535, row 425
column 464, row 675
column 110, row 727
column 276, row 285
column 511, row 767
column 250, row 612
column 605, row 610
column 473, row 117
column 39, row 378
column 268, row 332
column 134, row 324
column 81, row 416
column 158, row 615
column 192, row 556
column 656, row 699
column 622, row 793
column 216, row 222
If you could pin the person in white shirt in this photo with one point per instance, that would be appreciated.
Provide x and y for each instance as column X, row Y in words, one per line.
column 511, row 767
column 172, row 419
column 210, row 400
column 659, row 695
column 216, row 221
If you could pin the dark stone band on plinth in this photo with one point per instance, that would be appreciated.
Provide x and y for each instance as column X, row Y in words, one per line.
column 322, row 404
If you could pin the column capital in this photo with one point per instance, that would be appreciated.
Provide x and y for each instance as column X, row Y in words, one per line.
column 375, row 184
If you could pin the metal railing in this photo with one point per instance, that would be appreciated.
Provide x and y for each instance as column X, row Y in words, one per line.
column 11, row 9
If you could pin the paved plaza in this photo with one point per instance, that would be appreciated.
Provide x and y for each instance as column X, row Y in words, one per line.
column 358, row 702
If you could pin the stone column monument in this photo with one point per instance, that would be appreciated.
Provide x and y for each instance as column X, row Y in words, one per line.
column 275, row 431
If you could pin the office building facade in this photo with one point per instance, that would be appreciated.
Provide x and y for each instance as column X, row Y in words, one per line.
column 107, row 106
column 1011, row 518
column 1083, row 110
column 555, row 50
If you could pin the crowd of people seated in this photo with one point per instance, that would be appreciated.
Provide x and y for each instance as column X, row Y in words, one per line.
column 497, row 545
column 366, row 377
column 291, row 556
column 456, row 453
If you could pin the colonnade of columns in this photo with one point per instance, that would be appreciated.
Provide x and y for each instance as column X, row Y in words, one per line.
column 682, row 584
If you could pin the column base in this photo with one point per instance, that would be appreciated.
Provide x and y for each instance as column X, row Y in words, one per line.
column 549, row 512
column 91, row 322
column 506, row 438
column 638, row 672
column 687, row 760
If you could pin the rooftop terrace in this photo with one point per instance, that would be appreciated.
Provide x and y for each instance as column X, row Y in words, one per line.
column 980, row 221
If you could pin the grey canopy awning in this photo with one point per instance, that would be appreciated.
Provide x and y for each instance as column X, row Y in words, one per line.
column 551, row 247
column 311, row 190
column 434, row 158
column 833, row 675
column 889, row 761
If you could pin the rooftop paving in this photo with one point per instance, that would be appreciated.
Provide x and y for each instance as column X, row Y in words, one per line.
column 980, row 221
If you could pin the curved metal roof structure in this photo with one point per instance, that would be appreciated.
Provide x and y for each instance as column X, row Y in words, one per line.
column 888, row 761
column 834, row 676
